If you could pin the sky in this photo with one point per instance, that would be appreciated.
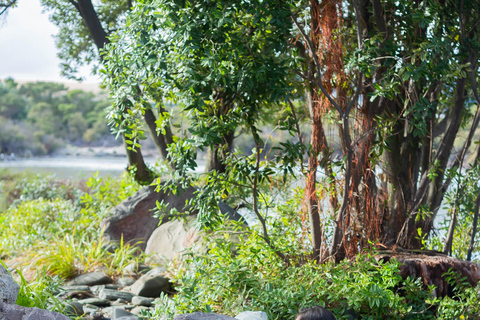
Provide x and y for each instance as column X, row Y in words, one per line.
column 27, row 46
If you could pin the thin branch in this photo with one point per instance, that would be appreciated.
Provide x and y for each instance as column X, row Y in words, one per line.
column 299, row 132
column 474, row 229
column 6, row 6
column 255, row 202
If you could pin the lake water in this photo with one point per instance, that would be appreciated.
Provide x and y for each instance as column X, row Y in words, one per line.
column 77, row 167
column 71, row 167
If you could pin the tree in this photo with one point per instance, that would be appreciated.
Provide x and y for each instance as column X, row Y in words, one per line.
column 396, row 79
column 5, row 5
column 84, row 30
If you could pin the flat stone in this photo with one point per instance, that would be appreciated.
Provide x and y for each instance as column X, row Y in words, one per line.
column 203, row 316
column 76, row 288
column 95, row 301
column 119, row 302
column 150, row 286
column 74, row 308
column 96, row 289
column 90, row 308
column 142, row 301
column 120, row 314
column 125, row 281
column 156, row 271
column 135, row 268
column 138, row 311
column 8, row 287
column 91, row 279
column 109, row 310
column 115, row 294
column 112, row 286
column 252, row 315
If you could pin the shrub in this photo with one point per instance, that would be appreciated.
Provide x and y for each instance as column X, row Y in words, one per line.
column 231, row 278
column 52, row 225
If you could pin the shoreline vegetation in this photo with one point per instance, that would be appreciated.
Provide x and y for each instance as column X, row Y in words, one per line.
column 343, row 132
column 62, row 220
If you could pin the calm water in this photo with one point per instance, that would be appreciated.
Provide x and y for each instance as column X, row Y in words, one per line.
column 71, row 167
column 76, row 167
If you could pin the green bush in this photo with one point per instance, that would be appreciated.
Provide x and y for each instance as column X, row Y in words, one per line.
column 231, row 278
column 56, row 225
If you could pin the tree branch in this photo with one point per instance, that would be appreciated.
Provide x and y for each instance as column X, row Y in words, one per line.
column 318, row 67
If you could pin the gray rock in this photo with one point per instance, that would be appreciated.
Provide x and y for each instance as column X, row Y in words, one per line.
column 110, row 294
column 252, row 315
column 120, row 314
column 142, row 301
column 156, row 271
column 126, row 281
column 90, row 308
column 203, row 316
column 171, row 238
column 138, row 311
column 74, row 308
column 109, row 310
column 119, row 302
column 135, row 268
column 133, row 218
column 76, row 288
column 15, row 312
column 95, row 301
column 8, row 287
column 96, row 289
column 112, row 286
column 150, row 286
column 91, row 279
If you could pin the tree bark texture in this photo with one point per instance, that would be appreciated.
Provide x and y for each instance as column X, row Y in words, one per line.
column 432, row 268
column 216, row 154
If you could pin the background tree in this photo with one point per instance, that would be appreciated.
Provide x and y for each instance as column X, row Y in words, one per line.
column 39, row 117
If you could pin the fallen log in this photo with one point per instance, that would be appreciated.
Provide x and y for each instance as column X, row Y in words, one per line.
column 433, row 268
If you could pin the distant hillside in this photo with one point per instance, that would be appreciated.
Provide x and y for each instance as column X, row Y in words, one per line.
column 71, row 85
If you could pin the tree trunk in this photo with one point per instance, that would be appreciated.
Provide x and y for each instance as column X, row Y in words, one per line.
column 216, row 155
column 143, row 174
column 430, row 193
column 474, row 229
column 431, row 267
column 157, row 138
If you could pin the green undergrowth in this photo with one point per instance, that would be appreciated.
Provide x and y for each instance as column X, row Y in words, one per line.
column 247, row 275
column 55, row 225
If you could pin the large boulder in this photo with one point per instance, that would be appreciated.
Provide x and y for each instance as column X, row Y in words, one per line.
column 151, row 286
column 15, row 312
column 171, row 238
column 8, row 287
column 133, row 218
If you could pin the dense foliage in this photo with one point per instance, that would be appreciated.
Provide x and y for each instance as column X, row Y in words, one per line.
column 389, row 90
column 380, row 107
column 249, row 276
column 39, row 117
